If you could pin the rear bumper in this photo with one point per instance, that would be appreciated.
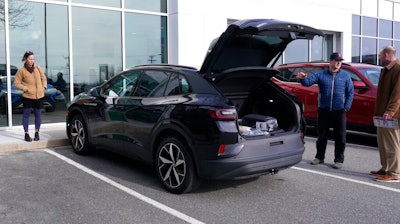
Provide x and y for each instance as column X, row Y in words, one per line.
column 261, row 160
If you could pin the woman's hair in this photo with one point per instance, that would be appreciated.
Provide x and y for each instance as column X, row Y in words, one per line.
column 26, row 55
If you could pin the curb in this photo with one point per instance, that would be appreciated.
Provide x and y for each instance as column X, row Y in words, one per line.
column 34, row 145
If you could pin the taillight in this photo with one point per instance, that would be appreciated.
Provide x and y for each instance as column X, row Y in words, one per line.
column 221, row 149
column 223, row 114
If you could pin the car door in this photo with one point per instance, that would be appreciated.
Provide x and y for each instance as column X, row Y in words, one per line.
column 363, row 106
column 110, row 131
column 143, row 111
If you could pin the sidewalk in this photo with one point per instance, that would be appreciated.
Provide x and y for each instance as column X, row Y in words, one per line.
column 53, row 135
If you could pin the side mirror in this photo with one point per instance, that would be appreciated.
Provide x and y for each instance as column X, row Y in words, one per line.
column 359, row 85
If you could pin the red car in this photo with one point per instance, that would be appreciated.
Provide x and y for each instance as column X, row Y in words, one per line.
column 365, row 79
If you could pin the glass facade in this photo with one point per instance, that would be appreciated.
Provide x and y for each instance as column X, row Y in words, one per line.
column 319, row 49
column 375, row 33
column 3, row 70
column 80, row 51
column 97, row 47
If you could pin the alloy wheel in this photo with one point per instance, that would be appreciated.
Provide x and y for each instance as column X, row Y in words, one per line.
column 172, row 165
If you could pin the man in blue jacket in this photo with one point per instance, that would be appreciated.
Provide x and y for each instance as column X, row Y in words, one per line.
column 335, row 97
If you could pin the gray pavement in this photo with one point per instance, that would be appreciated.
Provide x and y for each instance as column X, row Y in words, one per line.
column 51, row 135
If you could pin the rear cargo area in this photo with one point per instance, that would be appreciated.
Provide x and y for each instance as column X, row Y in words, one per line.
column 260, row 104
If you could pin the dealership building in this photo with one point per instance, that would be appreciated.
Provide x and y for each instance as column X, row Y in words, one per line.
column 89, row 41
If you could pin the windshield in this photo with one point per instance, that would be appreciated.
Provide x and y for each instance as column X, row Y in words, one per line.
column 372, row 74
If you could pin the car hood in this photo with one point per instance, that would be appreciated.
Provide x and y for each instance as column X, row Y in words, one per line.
column 253, row 42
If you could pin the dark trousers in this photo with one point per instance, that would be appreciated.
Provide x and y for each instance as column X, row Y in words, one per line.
column 337, row 120
column 36, row 106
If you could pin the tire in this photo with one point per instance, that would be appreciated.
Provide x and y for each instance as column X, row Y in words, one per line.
column 78, row 135
column 175, row 167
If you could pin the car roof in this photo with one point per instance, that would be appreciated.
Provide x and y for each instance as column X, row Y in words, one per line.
column 197, row 82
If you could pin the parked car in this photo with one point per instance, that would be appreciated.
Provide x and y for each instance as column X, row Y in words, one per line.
column 3, row 70
column 51, row 98
column 365, row 80
column 227, row 120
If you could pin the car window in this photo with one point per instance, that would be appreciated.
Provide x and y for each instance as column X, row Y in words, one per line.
column 177, row 85
column 353, row 76
column 121, row 85
column 3, row 72
column 168, row 84
column 284, row 75
column 372, row 74
column 152, row 83
column 289, row 74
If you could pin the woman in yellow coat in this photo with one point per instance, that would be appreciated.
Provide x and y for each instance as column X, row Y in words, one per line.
column 31, row 80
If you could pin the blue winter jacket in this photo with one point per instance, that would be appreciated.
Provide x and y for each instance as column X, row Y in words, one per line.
column 336, row 92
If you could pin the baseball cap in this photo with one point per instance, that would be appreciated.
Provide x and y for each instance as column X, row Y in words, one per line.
column 336, row 56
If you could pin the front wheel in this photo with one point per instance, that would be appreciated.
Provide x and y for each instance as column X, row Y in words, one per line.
column 78, row 135
column 175, row 167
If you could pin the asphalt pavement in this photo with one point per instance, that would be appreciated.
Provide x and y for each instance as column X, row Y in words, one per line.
column 51, row 135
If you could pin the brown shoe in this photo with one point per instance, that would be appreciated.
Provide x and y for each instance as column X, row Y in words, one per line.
column 387, row 178
column 378, row 172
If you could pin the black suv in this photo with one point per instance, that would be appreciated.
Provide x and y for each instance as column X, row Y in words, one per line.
column 227, row 120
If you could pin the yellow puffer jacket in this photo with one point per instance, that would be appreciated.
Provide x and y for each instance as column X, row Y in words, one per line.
column 33, row 84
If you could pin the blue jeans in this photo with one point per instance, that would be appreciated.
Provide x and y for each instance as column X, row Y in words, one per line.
column 36, row 106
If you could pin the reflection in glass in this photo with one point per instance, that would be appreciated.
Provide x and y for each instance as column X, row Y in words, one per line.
column 369, row 26
column 97, row 46
column 368, row 50
column 328, row 46
column 397, row 47
column 297, row 51
column 146, row 43
column 385, row 28
column 355, row 49
column 109, row 3
column 44, row 31
column 396, row 30
column 356, row 24
column 148, row 5
column 317, row 48
column 3, row 84
column 56, row 55
column 384, row 43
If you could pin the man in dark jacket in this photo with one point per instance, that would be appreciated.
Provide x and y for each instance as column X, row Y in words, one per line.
column 335, row 97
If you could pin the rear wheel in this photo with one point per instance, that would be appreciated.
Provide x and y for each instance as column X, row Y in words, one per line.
column 78, row 135
column 175, row 167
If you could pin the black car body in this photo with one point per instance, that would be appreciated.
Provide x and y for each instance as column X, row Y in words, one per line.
column 227, row 120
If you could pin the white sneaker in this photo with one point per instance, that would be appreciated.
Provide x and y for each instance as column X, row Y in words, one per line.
column 337, row 165
column 316, row 161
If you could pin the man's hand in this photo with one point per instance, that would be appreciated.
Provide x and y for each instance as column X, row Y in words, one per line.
column 386, row 116
column 301, row 75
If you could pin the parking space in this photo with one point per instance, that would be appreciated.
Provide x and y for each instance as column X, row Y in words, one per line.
column 58, row 186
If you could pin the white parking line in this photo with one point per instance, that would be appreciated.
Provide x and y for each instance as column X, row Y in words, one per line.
column 347, row 179
column 135, row 194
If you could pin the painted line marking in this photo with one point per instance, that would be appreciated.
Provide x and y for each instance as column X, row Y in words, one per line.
column 347, row 179
column 133, row 193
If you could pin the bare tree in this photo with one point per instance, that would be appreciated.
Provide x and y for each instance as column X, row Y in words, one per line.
column 18, row 14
